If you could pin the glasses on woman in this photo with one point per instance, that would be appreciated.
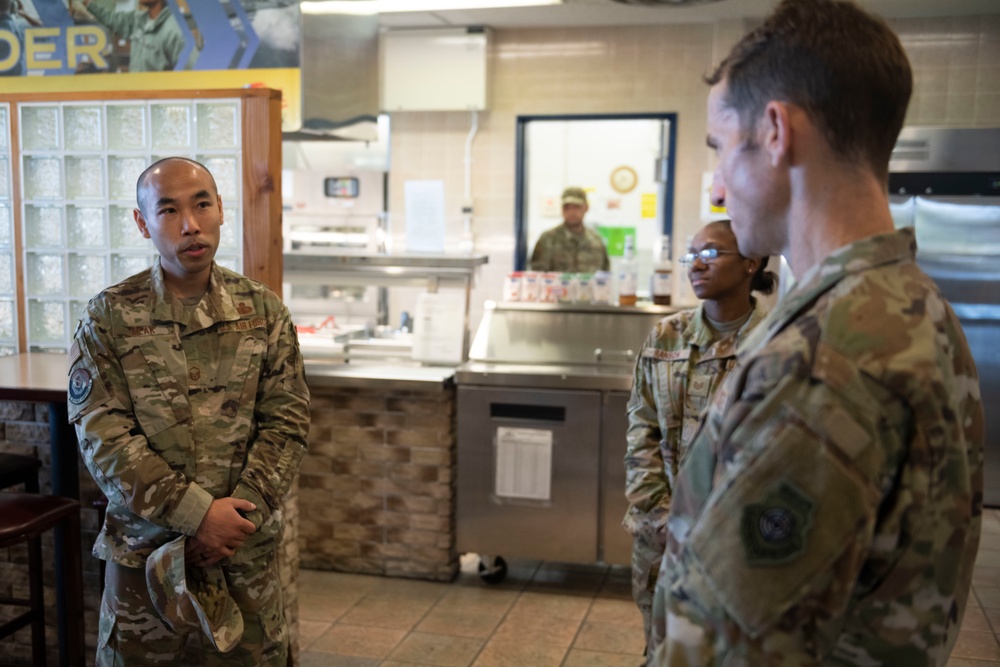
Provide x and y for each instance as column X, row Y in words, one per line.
column 708, row 255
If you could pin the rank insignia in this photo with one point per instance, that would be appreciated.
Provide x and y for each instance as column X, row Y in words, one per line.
column 80, row 384
column 773, row 530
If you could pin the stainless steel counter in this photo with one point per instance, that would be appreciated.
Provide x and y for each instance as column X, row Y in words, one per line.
column 379, row 376
column 548, row 376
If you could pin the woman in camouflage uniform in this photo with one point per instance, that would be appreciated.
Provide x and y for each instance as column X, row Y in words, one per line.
column 682, row 363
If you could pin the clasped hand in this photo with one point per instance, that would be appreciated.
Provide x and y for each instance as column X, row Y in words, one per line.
column 221, row 532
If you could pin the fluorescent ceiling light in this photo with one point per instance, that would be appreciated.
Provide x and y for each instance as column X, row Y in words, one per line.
column 389, row 6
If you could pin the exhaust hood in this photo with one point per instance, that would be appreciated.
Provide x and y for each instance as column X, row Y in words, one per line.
column 339, row 65
column 946, row 161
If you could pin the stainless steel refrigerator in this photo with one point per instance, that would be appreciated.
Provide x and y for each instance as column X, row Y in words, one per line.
column 945, row 183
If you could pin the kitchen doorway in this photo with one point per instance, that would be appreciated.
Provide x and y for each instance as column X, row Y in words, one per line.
column 624, row 162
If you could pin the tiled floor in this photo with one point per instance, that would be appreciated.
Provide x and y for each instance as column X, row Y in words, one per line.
column 543, row 614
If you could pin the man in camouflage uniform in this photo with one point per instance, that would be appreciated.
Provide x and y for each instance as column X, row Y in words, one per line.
column 829, row 510
column 571, row 246
column 187, row 390
column 682, row 363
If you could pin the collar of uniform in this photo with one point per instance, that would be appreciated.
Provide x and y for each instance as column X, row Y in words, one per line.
column 868, row 253
column 704, row 336
column 566, row 233
column 699, row 333
column 167, row 308
column 152, row 25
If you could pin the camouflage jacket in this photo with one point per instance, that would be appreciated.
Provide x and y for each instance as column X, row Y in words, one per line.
column 155, row 45
column 829, row 510
column 177, row 406
column 559, row 249
column 679, row 368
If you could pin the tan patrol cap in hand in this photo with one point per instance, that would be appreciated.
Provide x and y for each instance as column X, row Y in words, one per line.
column 193, row 598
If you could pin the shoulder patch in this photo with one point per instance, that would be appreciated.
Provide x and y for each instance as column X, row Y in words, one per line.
column 80, row 384
column 773, row 530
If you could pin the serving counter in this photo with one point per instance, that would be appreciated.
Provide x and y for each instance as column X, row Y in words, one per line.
column 541, row 432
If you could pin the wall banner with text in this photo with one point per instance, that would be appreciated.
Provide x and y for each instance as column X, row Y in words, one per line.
column 54, row 45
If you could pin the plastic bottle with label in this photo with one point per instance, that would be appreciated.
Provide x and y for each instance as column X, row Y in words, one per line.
column 628, row 274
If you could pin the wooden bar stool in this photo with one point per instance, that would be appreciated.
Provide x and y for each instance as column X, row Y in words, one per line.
column 16, row 469
column 24, row 517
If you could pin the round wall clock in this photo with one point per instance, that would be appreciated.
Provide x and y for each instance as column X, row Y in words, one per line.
column 624, row 179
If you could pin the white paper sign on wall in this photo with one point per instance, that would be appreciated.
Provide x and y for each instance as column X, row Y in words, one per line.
column 424, row 216
column 439, row 328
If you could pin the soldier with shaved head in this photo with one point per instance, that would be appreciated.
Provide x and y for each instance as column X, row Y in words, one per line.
column 187, row 390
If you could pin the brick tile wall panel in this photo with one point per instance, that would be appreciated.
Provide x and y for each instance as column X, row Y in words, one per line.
column 417, row 438
column 387, row 454
column 356, row 435
column 429, row 522
column 412, row 504
column 19, row 411
column 392, row 519
column 441, row 458
column 395, row 451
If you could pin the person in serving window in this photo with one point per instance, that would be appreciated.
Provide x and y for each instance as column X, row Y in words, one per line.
column 571, row 247
column 680, row 366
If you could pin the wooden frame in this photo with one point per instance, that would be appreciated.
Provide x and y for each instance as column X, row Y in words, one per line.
column 261, row 173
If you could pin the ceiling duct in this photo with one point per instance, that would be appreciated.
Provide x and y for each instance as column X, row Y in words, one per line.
column 339, row 64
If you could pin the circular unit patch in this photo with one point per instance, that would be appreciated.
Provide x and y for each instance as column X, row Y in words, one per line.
column 776, row 525
column 80, row 384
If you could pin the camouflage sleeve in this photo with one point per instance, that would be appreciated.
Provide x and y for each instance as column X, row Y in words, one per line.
column 541, row 256
column 112, row 444
column 647, row 487
column 605, row 262
column 282, row 416
column 120, row 23
column 768, row 566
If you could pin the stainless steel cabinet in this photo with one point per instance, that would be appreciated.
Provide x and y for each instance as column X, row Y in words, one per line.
column 561, row 527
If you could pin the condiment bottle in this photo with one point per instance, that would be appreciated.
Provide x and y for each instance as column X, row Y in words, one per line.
column 628, row 275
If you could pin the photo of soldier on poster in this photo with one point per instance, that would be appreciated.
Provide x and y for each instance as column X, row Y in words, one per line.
column 137, row 36
column 157, row 42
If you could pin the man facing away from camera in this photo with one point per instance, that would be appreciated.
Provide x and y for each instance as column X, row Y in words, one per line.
column 829, row 511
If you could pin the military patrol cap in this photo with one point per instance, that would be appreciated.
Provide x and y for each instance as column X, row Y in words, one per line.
column 195, row 598
column 574, row 196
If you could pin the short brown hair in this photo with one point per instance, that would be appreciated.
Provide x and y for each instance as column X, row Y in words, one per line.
column 842, row 65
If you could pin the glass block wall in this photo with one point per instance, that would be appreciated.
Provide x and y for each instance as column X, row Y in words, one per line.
column 8, row 306
column 80, row 162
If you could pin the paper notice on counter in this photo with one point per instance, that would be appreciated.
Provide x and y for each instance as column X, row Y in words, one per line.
column 524, row 463
column 424, row 216
column 439, row 328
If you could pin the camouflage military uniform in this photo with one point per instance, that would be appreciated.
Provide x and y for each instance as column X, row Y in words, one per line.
column 679, row 368
column 559, row 249
column 175, row 406
column 155, row 45
column 829, row 510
